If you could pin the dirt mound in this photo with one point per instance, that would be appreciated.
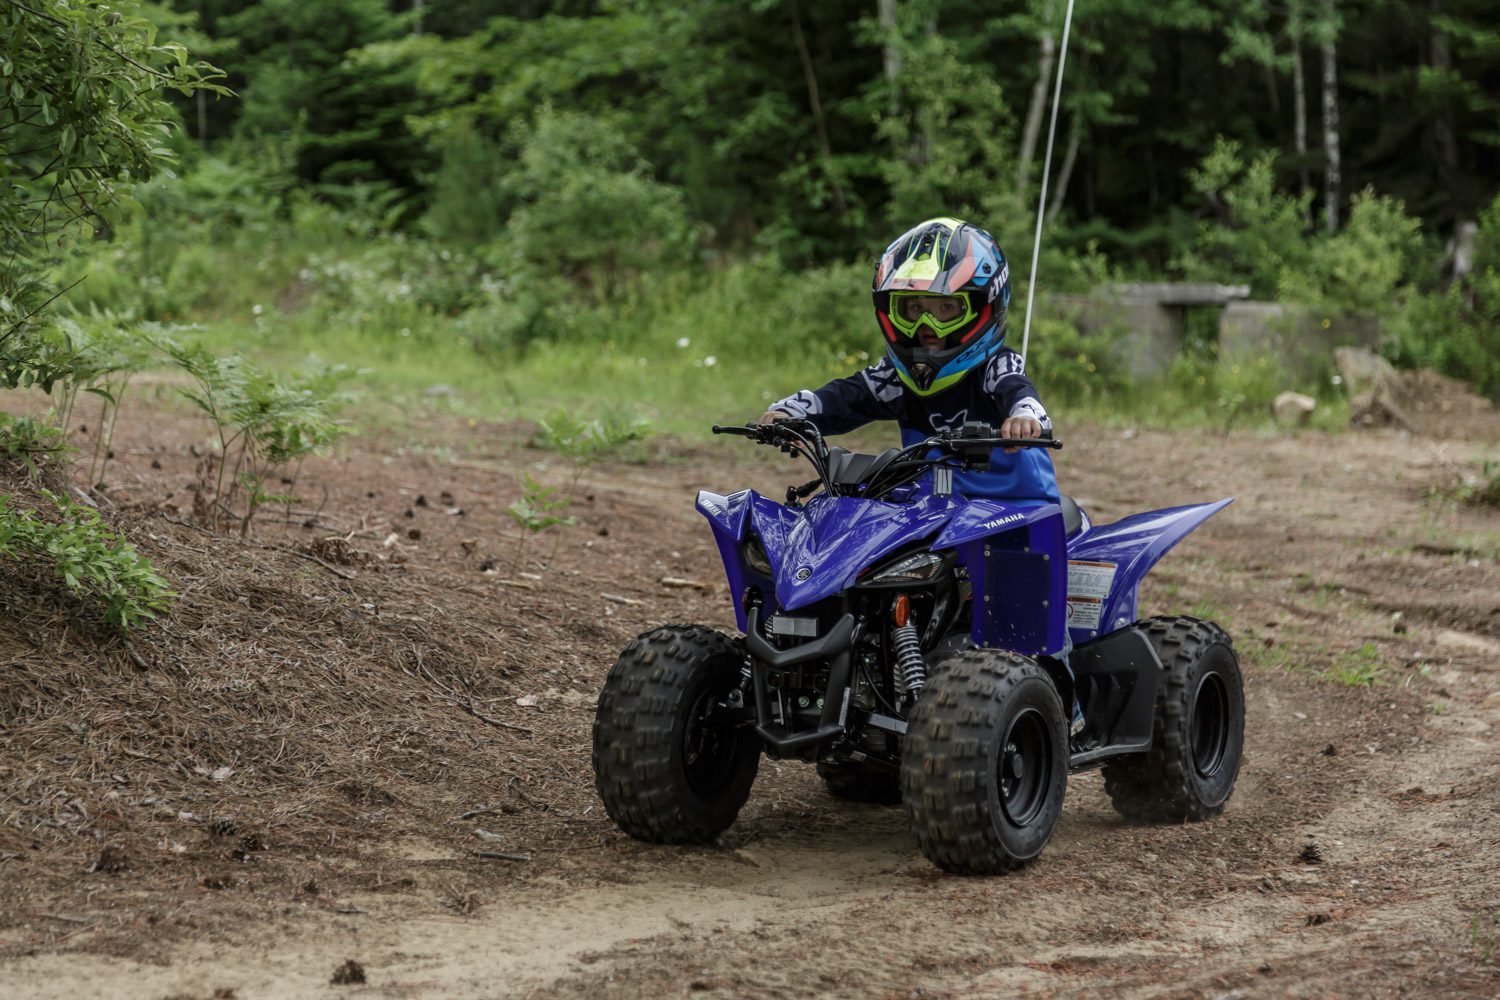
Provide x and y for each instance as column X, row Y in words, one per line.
column 1420, row 401
column 309, row 691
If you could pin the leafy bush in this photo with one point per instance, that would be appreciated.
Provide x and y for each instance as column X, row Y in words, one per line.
column 583, row 442
column 1259, row 235
column 34, row 444
column 589, row 208
column 1458, row 331
column 88, row 558
column 1261, row 238
column 469, row 203
column 1365, row 265
column 1069, row 368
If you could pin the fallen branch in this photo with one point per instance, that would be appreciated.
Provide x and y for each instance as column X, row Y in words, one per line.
column 308, row 556
column 65, row 918
column 501, row 855
column 451, row 696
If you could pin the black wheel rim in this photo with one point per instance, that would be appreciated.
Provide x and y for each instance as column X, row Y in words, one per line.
column 1025, row 767
column 1210, row 725
column 708, row 745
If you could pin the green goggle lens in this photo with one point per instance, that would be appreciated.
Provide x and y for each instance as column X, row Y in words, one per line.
column 944, row 314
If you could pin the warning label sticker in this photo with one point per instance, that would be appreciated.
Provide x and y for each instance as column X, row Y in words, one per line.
column 1084, row 612
column 1089, row 584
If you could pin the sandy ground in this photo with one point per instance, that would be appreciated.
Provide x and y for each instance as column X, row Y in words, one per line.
column 1359, row 856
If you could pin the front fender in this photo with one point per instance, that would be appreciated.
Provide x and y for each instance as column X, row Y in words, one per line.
column 727, row 517
column 1106, row 564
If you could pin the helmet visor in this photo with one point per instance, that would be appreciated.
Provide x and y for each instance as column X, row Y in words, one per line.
column 942, row 314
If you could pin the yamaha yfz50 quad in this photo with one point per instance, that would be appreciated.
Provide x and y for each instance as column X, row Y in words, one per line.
column 926, row 650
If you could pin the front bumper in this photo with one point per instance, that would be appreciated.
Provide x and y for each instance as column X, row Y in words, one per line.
column 836, row 646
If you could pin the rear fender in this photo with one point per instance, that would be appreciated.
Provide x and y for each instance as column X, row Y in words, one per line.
column 1106, row 565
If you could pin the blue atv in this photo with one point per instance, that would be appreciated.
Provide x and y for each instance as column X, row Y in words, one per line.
column 958, row 657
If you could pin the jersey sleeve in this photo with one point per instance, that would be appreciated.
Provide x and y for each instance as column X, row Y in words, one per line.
column 850, row 402
column 1006, row 382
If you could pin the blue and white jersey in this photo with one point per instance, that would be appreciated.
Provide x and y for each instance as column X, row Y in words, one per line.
column 1001, row 390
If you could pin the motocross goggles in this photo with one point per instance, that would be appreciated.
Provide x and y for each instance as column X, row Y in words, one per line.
column 944, row 315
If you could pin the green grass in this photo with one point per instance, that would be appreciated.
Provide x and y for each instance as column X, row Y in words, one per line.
column 678, row 350
column 1486, row 931
column 1362, row 667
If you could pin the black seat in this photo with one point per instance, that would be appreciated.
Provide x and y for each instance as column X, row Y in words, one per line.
column 848, row 468
column 1072, row 516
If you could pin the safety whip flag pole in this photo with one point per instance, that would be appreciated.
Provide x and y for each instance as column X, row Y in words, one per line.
column 1041, row 203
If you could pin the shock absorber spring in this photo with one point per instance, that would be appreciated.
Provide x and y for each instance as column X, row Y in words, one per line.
column 906, row 649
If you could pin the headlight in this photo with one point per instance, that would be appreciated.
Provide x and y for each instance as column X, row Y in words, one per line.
column 920, row 567
column 754, row 554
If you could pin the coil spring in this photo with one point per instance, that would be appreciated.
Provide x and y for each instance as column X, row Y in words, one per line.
column 907, row 650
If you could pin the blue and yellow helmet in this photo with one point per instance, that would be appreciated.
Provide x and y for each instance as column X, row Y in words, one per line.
column 942, row 292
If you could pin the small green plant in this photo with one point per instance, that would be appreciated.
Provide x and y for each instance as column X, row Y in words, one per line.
column 1482, row 490
column 1277, row 656
column 88, row 558
column 262, row 424
column 1362, row 667
column 538, row 509
column 1486, row 931
column 1209, row 609
column 583, row 442
column 34, row 444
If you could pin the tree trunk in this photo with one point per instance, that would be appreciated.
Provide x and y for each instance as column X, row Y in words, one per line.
column 1444, row 134
column 1296, row 29
column 1332, row 181
column 816, row 104
column 1046, row 56
column 1065, row 174
column 891, row 51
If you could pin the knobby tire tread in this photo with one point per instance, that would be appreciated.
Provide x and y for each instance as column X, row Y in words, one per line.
column 948, row 780
column 1155, row 787
column 635, row 734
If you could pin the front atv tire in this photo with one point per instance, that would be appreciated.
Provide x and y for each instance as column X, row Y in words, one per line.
column 857, row 781
column 1199, row 734
column 669, row 765
column 985, row 763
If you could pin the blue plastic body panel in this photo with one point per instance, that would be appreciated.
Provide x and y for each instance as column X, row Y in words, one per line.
column 1130, row 547
column 1015, row 553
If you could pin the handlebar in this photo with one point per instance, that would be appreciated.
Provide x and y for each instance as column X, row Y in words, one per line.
column 968, row 438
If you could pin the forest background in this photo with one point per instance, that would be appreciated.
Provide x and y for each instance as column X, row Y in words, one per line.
column 668, row 212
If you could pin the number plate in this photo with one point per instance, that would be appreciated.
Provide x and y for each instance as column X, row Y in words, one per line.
column 805, row 628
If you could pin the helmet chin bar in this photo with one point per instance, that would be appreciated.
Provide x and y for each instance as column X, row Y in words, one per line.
column 925, row 365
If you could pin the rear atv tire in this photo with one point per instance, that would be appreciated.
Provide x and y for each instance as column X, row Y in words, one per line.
column 855, row 781
column 667, row 764
column 1199, row 733
column 985, row 763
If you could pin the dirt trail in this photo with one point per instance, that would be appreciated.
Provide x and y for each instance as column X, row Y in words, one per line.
column 1360, row 854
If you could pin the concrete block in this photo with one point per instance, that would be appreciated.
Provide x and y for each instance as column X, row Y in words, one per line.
column 1151, row 333
column 1300, row 337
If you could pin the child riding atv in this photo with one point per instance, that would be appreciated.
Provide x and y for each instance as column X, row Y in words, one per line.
column 942, row 292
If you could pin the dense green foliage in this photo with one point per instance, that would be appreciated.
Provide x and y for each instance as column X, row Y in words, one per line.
column 88, row 558
column 669, row 210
